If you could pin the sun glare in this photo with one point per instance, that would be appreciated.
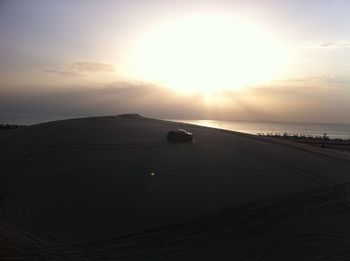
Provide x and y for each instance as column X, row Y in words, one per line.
column 207, row 53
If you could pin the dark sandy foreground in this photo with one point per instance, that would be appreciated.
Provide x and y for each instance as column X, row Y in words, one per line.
column 83, row 190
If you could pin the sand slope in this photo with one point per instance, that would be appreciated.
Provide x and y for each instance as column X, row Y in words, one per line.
column 83, row 188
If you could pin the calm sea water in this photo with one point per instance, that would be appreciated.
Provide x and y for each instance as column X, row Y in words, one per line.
column 341, row 131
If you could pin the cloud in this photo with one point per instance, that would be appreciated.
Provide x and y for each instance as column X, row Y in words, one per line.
column 305, row 86
column 290, row 100
column 91, row 67
column 81, row 68
column 328, row 45
column 116, row 98
column 63, row 72
column 320, row 80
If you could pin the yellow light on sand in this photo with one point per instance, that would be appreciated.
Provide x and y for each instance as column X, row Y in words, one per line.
column 207, row 53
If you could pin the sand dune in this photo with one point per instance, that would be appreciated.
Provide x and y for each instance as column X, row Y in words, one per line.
column 106, row 188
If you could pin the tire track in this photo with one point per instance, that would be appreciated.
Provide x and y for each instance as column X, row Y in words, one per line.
column 14, row 231
column 90, row 146
column 298, row 146
column 275, row 162
column 196, row 233
column 312, row 246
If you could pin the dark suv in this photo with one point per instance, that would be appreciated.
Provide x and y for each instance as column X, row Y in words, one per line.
column 179, row 135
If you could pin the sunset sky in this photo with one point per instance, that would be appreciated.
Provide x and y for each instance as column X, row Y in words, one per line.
column 228, row 60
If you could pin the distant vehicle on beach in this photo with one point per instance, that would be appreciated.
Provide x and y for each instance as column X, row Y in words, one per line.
column 179, row 135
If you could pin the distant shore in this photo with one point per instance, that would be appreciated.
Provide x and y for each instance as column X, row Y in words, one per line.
column 318, row 141
column 10, row 126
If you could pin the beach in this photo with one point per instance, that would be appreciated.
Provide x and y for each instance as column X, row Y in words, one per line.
column 110, row 188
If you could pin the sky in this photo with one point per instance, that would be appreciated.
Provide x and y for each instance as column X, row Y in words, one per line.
column 247, row 60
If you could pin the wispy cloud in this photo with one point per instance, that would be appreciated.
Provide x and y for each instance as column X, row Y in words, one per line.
column 316, row 85
column 328, row 45
column 300, row 99
column 91, row 67
column 82, row 68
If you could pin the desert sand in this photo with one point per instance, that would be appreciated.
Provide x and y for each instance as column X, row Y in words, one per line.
column 110, row 188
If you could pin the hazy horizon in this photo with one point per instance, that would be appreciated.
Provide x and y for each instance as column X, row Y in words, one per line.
column 223, row 60
column 31, row 119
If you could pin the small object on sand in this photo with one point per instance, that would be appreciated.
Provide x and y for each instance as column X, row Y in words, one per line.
column 179, row 135
column 152, row 173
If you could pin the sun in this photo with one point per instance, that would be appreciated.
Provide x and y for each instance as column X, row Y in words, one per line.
column 207, row 53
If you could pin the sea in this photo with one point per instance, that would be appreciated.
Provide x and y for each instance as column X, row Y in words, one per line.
column 340, row 131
